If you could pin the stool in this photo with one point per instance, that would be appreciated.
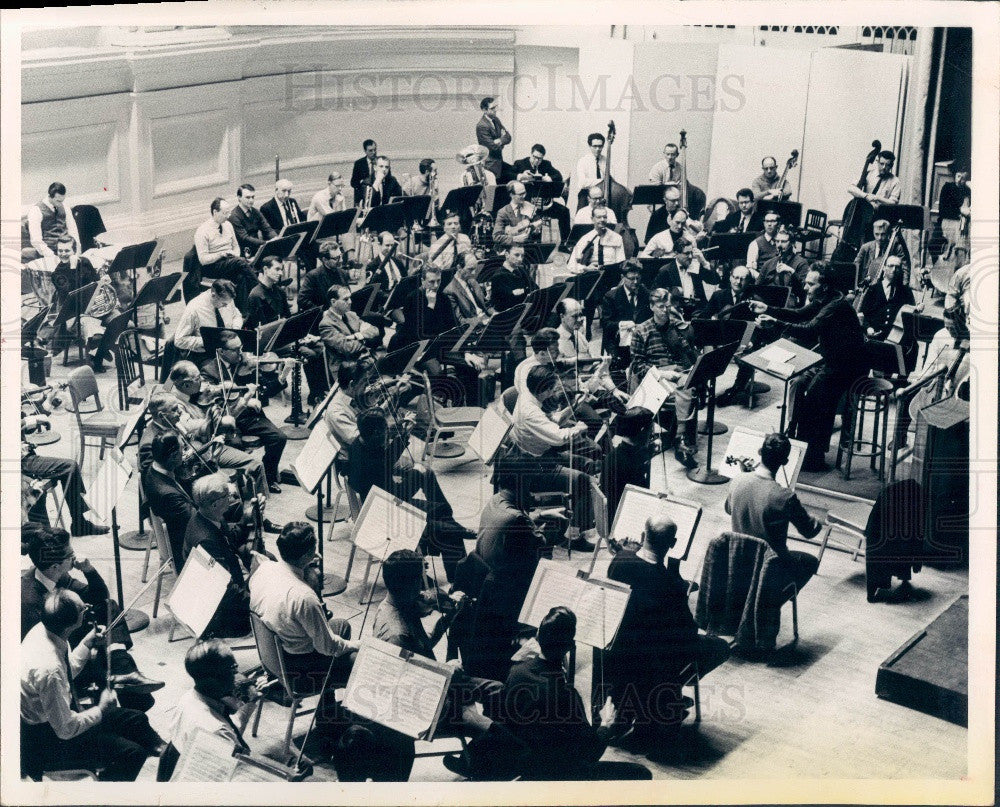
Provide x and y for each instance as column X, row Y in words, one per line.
column 870, row 396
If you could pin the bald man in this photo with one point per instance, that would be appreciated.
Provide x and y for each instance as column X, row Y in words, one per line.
column 281, row 209
column 595, row 200
column 658, row 637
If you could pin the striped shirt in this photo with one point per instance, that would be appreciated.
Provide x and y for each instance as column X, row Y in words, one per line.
column 660, row 346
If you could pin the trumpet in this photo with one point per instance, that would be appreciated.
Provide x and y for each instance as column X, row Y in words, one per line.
column 432, row 218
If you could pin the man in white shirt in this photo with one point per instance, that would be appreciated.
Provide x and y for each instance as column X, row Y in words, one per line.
column 661, row 245
column 48, row 220
column 599, row 248
column 595, row 200
column 286, row 595
column 329, row 199
column 763, row 248
column 447, row 251
column 56, row 733
column 574, row 347
column 219, row 252
column 213, row 308
column 591, row 168
column 666, row 170
column 881, row 186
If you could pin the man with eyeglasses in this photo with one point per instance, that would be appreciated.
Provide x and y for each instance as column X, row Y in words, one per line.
column 762, row 248
column 661, row 342
column 516, row 222
column 535, row 168
column 492, row 135
column 595, row 201
column 591, row 168
column 769, row 185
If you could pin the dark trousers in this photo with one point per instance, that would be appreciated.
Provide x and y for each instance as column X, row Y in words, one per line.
column 119, row 744
column 560, row 213
column 443, row 535
column 67, row 472
column 256, row 424
column 816, row 408
column 307, row 671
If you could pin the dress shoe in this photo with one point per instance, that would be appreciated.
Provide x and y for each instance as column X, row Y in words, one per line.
column 685, row 456
column 270, row 526
column 87, row 528
column 457, row 764
column 273, row 487
column 580, row 544
column 728, row 398
column 135, row 682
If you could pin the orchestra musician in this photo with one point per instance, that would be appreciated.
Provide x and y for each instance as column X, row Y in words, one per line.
column 762, row 248
column 574, row 347
column 693, row 269
column 345, row 335
column 389, row 274
column 492, row 135
column 453, row 246
column 785, row 268
column 872, row 255
column 251, row 228
column 667, row 170
column 661, row 245
column 535, row 168
column 218, row 251
column 622, row 307
column 467, row 297
column 746, row 219
column 169, row 497
column 47, row 222
column 881, row 186
column 384, row 186
column 595, row 200
column 364, row 169
column 882, row 300
column 591, row 168
column 830, row 322
column 660, row 218
column 733, row 302
column 954, row 209
column 213, row 308
column 512, row 282
column 662, row 341
column 424, row 183
column 766, row 186
column 329, row 199
column 476, row 172
column 599, row 248
column 281, row 209
column 516, row 222
column 314, row 291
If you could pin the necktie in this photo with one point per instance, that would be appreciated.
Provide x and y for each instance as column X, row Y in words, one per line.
column 218, row 319
column 371, row 168
column 743, row 224
column 597, row 162
column 454, row 253
column 288, row 212
column 600, row 253
column 877, row 185
column 220, row 229
column 69, row 677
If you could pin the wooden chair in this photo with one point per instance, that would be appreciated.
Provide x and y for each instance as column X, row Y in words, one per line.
column 96, row 422
column 129, row 366
column 279, row 688
column 814, row 232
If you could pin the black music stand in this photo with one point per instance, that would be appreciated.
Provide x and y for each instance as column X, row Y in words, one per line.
column 648, row 195
column 292, row 332
column 845, row 276
column 75, row 305
column 334, row 225
column 495, row 338
column 732, row 246
column 538, row 305
column 582, row 286
column 669, row 272
column 129, row 259
column 913, row 217
column 156, row 292
column 537, row 254
column 281, row 248
column 790, row 213
column 577, row 232
column 363, row 300
column 715, row 332
column 489, row 268
column 306, row 229
column 707, row 368
column 384, row 218
column 459, row 199
column 401, row 361
column 415, row 209
column 772, row 296
column 403, row 289
column 649, row 268
column 212, row 339
column 136, row 540
column 501, row 198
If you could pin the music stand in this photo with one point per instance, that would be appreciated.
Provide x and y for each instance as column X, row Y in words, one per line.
column 157, row 291
column 501, row 198
column 581, row 287
column 403, row 289
column 537, row 254
column 913, row 217
column 648, row 195
column 801, row 359
column 538, row 305
column 75, row 306
column 415, row 210
column 281, row 248
column 846, row 276
column 129, row 259
column 772, row 296
column 790, row 213
column 334, row 225
column 330, row 512
column 401, row 361
column 669, row 271
column 649, row 269
column 363, row 300
column 463, row 198
column 384, row 218
column 495, row 338
column 731, row 246
column 546, row 191
column 293, row 330
column 577, row 232
column 306, row 228
column 707, row 368
column 212, row 339
column 714, row 332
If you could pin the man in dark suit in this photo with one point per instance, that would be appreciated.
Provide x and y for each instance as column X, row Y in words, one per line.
column 660, row 218
column 314, row 292
column 364, row 168
column 786, row 268
column 281, row 209
column 881, row 302
column 493, row 136
column 544, row 711
column 535, row 168
column 511, row 283
column 251, row 228
column 52, row 560
column 208, row 528
column 747, row 219
column 466, row 295
column 384, row 185
column 626, row 302
column 167, row 497
column 426, row 313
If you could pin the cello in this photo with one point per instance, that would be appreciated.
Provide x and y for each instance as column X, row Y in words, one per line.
column 858, row 216
column 619, row 200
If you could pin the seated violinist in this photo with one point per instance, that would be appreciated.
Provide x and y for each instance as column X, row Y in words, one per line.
column 237, row 391
column 575, row 354
column 694, row 272
column 169, row 496
column 215, row 529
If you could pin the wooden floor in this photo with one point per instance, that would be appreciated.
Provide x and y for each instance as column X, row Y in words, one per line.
column 816, row 718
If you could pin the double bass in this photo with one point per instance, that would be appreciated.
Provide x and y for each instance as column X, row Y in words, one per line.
column 858, row 216
column 619, row 199
column 692, row 197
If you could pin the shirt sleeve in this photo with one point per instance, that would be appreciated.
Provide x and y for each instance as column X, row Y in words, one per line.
column 35, row 231
column 310, row 616
column 53, row 691
column 187, row 337
column 544, row 429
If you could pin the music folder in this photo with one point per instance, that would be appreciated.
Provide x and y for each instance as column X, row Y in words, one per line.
column 397, row 689
column 743, row 456
column 135, row 418
column 599, row 604
column 386, row 523
column 199, row 589
column 638, row 504
column 316, row 456
column 112, row 478
column 490, row 432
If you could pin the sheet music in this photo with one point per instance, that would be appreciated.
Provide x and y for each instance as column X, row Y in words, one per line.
column 489, row 433
column 638, row 504
column 743, row 456
column 316, row 456
column 105, row 491
column 198, row 591
column 405, row 694
column 208, row 758
column 776, row 354
column 247, row 771
column 385, row 521
column 599, row 604
column 652, row 391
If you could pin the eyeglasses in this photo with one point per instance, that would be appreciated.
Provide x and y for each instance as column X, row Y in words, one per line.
column 659, row 304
